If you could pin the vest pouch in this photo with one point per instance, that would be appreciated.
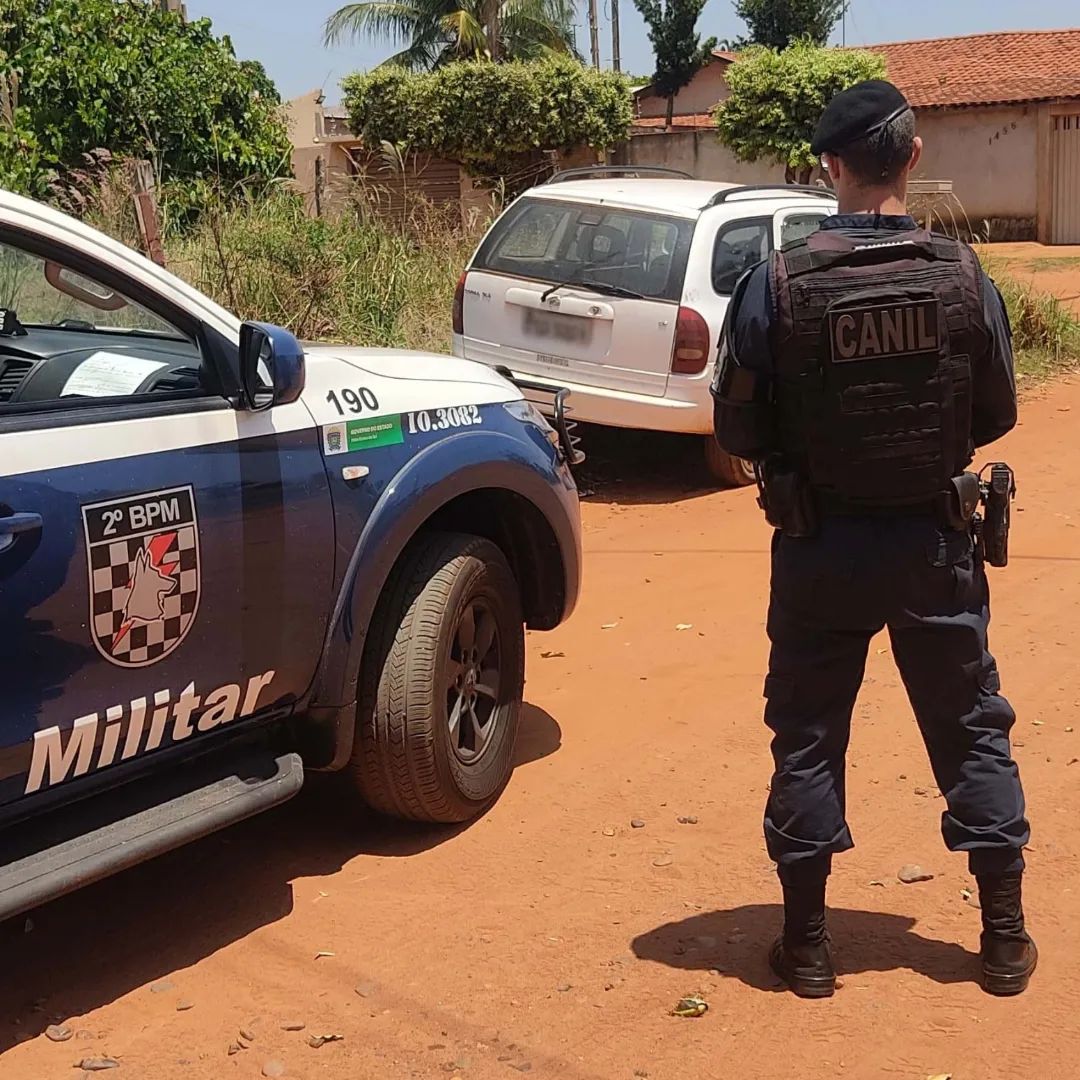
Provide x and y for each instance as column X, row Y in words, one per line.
column 882, row 426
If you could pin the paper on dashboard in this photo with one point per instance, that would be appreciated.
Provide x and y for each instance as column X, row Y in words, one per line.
column 109, row 374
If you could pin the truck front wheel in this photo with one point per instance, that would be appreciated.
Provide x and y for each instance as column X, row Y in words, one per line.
column 442, row 683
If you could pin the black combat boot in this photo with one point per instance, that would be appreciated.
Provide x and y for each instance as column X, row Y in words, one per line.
column 801, row 956
column 1009, row 955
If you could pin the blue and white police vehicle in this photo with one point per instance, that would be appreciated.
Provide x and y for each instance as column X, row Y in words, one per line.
column 227, row 559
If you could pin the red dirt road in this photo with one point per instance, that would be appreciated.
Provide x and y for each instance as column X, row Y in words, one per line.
column 532, row 940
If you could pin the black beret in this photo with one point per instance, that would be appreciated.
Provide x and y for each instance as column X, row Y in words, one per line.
column 856, row 112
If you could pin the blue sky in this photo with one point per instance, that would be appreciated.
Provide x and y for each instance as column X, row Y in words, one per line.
column 287, row 36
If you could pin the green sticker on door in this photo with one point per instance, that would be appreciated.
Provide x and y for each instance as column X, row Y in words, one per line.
column 367, row 434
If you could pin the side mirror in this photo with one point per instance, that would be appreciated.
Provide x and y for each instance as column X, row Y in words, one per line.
column 271, row 366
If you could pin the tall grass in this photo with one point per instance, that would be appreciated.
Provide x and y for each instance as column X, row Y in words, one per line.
column 354, row 276
column 1046, row 334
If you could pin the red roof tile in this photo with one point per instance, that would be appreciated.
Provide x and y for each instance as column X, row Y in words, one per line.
column 985, row 69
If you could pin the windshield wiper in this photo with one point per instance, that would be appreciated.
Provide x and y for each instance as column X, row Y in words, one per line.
column 597, row 286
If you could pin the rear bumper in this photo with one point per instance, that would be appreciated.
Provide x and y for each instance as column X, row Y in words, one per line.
column 685, row 408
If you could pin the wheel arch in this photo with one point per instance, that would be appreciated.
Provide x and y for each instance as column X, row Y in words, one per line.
column 508, row 494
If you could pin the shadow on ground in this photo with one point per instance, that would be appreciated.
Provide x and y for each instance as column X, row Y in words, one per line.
column 629, row 468
column 735, row 943
column 87, row 949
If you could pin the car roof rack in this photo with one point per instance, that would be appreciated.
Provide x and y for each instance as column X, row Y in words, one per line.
column 763, row 190
column 615, row 170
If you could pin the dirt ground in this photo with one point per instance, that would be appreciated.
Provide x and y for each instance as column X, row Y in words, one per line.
column 550, row 937
column 1054, row 270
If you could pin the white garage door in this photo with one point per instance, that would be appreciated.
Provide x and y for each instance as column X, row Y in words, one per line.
column 1065, row 222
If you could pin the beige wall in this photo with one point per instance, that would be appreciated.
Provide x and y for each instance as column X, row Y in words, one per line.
column 699, row 153
column 704, row 90
column 990, row 157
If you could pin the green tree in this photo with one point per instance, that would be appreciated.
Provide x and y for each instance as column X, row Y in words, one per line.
column 483, row 113
column 777, row 99
column 780, row 23
column 678, row 48
column 437, row 32
column 124, row 75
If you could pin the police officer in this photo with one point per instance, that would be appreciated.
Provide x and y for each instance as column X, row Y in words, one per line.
column 859, row 369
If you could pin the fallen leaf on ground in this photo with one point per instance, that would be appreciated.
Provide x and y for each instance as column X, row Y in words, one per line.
column 549, row 655
column 315, row 1041
column 608, row 625
column 691, row 1006
column 876, row 882
column 684, row 626
column 319, row 955
column 98, row 1064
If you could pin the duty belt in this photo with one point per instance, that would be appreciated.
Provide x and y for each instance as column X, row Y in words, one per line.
column 829, row 503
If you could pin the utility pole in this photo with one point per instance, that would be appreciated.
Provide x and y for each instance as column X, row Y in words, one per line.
column 594, row 34
column 616, row 56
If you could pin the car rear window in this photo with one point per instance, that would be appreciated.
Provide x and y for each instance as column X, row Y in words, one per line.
column 555, row 241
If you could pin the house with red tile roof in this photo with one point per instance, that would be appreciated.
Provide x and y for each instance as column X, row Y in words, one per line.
column 999, row 114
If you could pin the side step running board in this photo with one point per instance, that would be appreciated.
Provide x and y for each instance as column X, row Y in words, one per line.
column 114, row 831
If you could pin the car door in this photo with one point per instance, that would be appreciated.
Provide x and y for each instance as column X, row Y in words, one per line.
column 165, row 559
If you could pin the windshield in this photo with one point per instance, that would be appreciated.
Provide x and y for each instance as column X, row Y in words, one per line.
column 39, row 293
column 563, row 242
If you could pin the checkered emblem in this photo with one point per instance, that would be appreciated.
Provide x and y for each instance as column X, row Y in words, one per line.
column 143, row 561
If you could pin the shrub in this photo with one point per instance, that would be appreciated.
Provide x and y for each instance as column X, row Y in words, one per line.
column 777, row 99
column 484, row 113
column 123, row 74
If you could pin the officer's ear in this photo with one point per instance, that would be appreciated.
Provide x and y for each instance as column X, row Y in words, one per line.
column 916, row 154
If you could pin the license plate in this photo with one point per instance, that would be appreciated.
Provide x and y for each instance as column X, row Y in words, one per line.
column 545, row 324
column 553, row 361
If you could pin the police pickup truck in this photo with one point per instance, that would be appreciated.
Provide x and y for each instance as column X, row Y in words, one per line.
column 225, row 560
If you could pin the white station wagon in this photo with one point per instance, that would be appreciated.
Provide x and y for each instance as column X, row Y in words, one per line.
column 616, row 287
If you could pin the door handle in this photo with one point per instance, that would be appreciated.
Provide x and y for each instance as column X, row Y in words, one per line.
column 14, row 524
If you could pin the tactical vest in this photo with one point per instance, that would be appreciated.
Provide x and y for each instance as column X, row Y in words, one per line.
column 873, row 341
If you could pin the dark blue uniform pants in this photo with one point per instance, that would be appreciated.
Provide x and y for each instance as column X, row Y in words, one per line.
column 829, row 596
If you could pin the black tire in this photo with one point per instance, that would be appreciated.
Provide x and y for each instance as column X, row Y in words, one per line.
column 406, row 761
column 729, row 470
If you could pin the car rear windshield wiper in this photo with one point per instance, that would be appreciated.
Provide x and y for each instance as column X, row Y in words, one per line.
column 596, row 286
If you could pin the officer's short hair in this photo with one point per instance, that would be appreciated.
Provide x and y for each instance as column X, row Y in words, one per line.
column 880, row 157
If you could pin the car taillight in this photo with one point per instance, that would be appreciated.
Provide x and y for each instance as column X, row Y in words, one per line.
column 459, row 305
column 690, row 354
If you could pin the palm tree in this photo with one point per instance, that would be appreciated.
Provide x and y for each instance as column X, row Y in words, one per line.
column 435, row 32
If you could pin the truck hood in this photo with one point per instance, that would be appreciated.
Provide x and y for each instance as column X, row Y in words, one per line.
column 411, row 366
column 398, row 380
